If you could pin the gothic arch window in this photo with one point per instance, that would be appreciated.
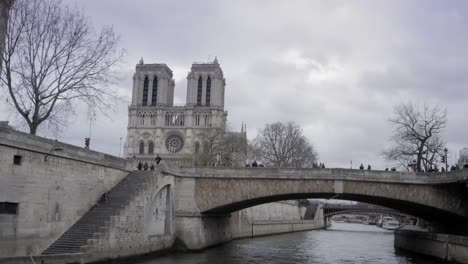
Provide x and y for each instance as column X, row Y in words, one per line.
column 208, row 91
column 153, row 118
column 154, row 96
column 197, row 147
column 199, row 90
column 142, row 119
column 142, row 148
column 151, row 147
column 145, row 91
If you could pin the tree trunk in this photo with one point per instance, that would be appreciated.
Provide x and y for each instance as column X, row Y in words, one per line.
column 33, row 128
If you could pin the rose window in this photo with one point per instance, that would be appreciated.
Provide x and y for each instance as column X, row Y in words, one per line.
column 174, row 143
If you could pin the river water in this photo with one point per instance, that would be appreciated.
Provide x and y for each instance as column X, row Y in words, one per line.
column 342, row 243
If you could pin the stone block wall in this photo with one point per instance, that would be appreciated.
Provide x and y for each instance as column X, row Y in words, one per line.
column 145, row 225
column 443, row 246
column 278, row 211
column 195, row 233
column 50, row 194
column 264, row 220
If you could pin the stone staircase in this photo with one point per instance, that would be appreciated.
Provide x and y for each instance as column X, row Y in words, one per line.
column 96, row 220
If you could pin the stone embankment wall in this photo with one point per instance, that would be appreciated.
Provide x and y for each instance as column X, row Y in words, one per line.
column 443, row 246
column 47, row 186
column 273, row 218
column 278, row 211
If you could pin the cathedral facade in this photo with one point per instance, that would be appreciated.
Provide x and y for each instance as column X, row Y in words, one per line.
column 157, row 127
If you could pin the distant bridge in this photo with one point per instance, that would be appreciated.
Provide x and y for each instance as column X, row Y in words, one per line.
column 330, row 210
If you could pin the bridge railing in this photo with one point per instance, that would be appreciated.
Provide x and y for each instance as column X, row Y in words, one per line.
column 323, row 174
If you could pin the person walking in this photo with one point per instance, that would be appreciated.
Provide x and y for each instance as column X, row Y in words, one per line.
column 157, row 159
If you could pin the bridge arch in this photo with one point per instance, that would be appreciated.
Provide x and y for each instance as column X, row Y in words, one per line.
column 406, row 207
column 435, row 197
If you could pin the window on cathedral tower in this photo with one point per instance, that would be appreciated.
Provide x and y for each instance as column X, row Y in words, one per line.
column 142, row 119
column 208, row 91
column 197, row 119
column 145, row 91
column 154, row 96
column 199, row 90
column 207, row 119
column 142, row 147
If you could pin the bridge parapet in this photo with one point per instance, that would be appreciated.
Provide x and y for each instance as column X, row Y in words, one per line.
column 323, row 174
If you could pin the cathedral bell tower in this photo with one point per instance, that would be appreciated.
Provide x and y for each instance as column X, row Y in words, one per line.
column 152, row 85
column 205, row 85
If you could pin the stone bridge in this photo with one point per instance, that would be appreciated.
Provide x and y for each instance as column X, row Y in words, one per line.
column 441, row 198
column 331, row 210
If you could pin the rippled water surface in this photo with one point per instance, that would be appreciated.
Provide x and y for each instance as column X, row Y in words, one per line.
column 341, row 243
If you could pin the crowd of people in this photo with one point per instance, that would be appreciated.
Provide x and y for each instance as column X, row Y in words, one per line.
column 255, row 164
column 146, row 166
column 318, row 165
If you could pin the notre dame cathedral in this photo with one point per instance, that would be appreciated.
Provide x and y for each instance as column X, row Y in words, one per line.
column 157, row 127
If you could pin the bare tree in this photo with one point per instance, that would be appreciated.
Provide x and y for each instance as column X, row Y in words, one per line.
column 5, row 6
column 221, row 147
column 211, row 146
column 234, row 150
column 417, row 137
column 54, row 58
column 284, row 145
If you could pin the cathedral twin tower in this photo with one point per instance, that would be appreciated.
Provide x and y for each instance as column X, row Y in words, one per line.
column 156, row 126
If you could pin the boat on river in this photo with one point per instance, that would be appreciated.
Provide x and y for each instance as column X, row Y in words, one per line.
column 390, row 223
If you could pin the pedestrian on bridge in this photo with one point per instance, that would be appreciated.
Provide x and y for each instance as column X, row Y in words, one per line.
column 361, row 167
column 158, row 159
column 368, row 167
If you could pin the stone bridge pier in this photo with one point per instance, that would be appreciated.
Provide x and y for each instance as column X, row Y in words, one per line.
column 195, row 230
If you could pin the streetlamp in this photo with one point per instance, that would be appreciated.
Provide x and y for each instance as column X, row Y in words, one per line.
column 446, row 163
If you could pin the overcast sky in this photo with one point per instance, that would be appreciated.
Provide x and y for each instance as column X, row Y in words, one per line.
column 337, row 68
